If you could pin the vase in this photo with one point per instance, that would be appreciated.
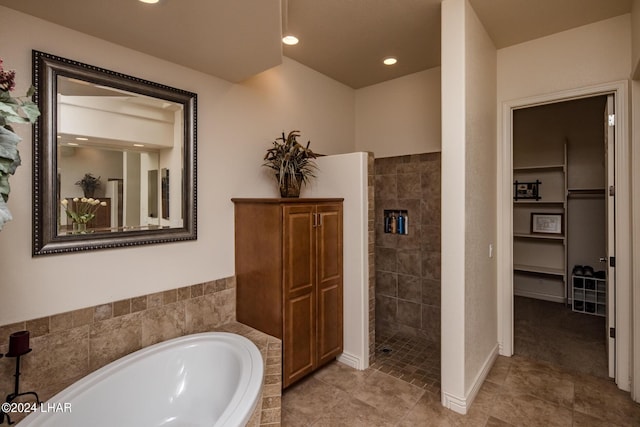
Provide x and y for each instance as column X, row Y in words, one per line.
column 79, row 228
column 290, row 187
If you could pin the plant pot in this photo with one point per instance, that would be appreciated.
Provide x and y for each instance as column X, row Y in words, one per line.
column 290, row 187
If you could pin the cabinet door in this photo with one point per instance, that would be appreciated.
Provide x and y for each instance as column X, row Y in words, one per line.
column 299, row 258
column 329, row 273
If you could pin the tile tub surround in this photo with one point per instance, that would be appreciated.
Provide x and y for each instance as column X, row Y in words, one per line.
column 407, row 286
column 267, row 412
column 68, row 346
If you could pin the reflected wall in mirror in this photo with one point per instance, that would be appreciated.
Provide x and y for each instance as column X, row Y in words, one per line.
column 120, row 136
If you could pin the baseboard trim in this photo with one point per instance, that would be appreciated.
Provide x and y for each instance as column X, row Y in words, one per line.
column 455, row 403
column 462, row 404
column 351, row 361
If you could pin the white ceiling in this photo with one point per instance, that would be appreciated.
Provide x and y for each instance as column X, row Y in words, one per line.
column 343, row 39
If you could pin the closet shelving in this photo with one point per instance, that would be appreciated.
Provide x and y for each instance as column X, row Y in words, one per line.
column 540, row 260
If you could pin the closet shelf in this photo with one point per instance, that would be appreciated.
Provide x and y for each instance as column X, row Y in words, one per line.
column 538, row 236
column 538, row 202
column 538, row 167
column 585, row 191
column 540, row 270
column 540, row 260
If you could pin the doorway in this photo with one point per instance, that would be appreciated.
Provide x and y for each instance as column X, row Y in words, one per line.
column 507, row 247
column 560, row 232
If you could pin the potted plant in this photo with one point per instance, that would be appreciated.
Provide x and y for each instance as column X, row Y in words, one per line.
column 292, row 162
column 89, row 183
column 12, row 110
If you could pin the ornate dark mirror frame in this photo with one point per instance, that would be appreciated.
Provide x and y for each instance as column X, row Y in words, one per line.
column 46, row 240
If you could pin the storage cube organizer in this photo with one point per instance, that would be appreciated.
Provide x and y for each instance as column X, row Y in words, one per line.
column 589, row 295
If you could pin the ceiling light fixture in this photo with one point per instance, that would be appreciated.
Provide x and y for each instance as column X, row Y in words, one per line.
column 73, row 144
column 290, row 40
column 79, row 138
column 389, row 61
column 138, row 145
column 150, row 1
column 287, row 38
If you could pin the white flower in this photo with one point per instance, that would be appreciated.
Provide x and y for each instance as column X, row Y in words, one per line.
column 75, row 199
column 64, row 202
column 103, row 203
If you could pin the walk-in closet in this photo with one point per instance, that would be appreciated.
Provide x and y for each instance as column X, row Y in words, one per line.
column 560, row 233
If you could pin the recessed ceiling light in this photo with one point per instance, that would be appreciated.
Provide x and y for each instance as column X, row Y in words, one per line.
column 73, row 144
column 78, row 138
column 290, row 40
column 149, row 1
column 138, row 145
column 389, row 61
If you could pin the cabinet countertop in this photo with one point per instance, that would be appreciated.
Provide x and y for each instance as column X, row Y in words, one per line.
column 286, row 200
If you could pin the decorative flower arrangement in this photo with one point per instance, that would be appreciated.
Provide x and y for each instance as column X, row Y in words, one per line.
column 82, row 210
column 12, row 110
column 292, row 162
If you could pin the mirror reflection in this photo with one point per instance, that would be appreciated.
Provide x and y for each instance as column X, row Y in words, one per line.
column 114, row 161
column 117, row 147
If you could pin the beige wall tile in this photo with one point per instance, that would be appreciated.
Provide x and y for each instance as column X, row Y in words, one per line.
column 163, row 323
column 38, row 327
column 138, row 304
column 102, row 312
column 113, row 338
column 61, row 322
column 83, row 316
column 56, row 358
column 122, row 307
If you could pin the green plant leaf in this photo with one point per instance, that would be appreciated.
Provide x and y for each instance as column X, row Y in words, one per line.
column 5, row 189
column 5, row 214
column 31, row 111
column 9, row 154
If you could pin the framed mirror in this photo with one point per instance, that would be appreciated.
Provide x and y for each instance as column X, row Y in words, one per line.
column 104, row 148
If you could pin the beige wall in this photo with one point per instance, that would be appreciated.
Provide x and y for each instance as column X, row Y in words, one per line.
column 635, row 41
column 635, row 160
column 236, row 123
column 453, row 204
column 481, row 336
column 400, row 116
column 469, row 290
column 588, row 55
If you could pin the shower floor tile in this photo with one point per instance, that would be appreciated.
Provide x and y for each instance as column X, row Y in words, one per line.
column 411, row 359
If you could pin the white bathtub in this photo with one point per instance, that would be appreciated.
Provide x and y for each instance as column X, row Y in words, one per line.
column 208, row 379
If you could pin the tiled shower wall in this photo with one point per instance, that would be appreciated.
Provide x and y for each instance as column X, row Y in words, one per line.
column 371, row 250
column 408, row 266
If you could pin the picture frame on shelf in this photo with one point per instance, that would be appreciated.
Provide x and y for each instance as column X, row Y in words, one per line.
column 547, row 223
column 526, row 190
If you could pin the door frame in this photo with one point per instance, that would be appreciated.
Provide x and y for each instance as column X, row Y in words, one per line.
column 620, row 89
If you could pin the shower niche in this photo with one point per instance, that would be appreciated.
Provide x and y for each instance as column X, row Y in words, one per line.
column 396, row 221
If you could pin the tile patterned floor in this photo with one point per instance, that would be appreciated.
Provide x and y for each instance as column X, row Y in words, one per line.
column 517, row 392
column 411, row 359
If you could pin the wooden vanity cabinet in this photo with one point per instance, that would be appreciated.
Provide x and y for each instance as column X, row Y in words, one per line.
column 289, row 277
